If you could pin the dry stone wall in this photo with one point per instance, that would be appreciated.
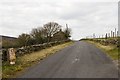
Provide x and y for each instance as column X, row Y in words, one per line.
column 107, row 41
column 28, row 49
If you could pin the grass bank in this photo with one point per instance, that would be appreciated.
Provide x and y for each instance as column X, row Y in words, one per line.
column 110, row 50
column 9, row 71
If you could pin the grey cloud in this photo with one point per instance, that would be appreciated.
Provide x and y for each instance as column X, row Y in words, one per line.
column 84, row 18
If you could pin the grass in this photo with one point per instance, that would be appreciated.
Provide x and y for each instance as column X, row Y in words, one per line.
column 9, row 71
column 110, row 50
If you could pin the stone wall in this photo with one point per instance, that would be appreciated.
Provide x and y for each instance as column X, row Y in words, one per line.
column 107, row 41
column 29, row 49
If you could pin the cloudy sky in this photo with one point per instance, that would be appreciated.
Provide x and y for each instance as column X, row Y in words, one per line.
column 84, row 18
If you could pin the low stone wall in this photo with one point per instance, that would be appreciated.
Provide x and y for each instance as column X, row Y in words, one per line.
column 29, row 49
column 107, row 41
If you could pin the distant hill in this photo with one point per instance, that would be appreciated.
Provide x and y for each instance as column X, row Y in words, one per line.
column 7, row 41
column 8, row 38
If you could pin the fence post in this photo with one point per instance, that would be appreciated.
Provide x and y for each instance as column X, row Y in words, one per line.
column 115, row 32
column 106, row 36
column 111, row 34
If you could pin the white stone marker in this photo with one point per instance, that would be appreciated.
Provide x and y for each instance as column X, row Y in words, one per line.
column 12, row 57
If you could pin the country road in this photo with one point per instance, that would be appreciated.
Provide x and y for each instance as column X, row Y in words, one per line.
column 80, row 60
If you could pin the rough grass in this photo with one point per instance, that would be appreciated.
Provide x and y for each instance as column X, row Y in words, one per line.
column 110, row 50
column 0, row 71
column 29, row 59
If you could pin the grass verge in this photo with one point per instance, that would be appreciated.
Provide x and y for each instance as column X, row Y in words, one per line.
column 9, row 71
column 110, row 50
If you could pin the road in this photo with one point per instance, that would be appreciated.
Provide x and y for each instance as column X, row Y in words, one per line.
column 80, row 60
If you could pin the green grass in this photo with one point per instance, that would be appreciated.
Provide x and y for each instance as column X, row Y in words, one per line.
column 113, row 53
column 10, row 71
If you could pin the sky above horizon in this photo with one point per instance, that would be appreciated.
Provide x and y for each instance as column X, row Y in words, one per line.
column 84, row 18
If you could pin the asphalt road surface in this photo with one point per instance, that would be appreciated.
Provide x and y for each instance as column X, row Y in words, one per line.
column 80, row 60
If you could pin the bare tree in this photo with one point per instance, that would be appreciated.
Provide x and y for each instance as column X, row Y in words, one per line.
column 51, row 28
column 67, row 32
column 38, row 34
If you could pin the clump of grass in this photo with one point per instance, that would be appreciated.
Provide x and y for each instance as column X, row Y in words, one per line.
column 114, row 53
column 27, row 60
column 8, row 69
